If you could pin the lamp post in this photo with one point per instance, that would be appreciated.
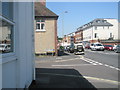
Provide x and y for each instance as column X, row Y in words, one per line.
column 63, row 25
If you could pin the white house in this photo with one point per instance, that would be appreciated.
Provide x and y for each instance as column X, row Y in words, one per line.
column 100, row 29
column 17, row 66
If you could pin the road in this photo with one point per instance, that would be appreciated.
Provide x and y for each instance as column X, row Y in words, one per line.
column 105, row 57
column 100, row 68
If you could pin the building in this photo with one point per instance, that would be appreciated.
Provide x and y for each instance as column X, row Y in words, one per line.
column 101, row 30
column 17, row 66
column 68, row 39
column 79, row 36
column 45, row 29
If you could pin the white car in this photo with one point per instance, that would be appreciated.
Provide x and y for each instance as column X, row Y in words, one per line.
column 97, row 46
column 5, row 47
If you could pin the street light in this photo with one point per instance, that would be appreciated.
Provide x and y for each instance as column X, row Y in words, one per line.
column 63, row 25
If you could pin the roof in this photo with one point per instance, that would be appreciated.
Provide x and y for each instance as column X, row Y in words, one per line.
column 42, row 11
column 95, row 22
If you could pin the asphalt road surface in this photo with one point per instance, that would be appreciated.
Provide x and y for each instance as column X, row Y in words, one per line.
column 99, row 68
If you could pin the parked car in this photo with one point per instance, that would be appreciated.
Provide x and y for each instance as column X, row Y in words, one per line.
column 114, row 47
column 67, row 48
column 91, row 45
column 5, row 47
column 87, row 46
column 97, row 46
column 78, row 49
column 71, row 49
column 117, row 49
column 108, row 47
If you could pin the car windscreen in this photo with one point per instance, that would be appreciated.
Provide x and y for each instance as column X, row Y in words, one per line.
column 79, row 46
column 99, row 45
column 108, row 45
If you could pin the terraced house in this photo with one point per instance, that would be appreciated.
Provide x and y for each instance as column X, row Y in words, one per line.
column 100, row 30
column 45, row 29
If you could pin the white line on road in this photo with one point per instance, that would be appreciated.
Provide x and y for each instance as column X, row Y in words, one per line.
column 71, row 65
column 67, row 60
column 98, row 63
column 91, row 61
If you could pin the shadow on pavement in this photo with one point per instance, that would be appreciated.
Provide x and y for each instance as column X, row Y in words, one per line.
column 60, row 78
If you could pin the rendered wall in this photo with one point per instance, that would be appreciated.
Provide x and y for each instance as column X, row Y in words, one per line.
column 17, row 68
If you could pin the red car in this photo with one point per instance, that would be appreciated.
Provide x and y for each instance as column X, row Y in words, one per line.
column 108, row 47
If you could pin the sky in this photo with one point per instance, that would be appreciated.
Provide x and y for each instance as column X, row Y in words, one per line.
column 80, row 13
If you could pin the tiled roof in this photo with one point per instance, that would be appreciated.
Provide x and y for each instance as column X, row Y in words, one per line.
column 96, row 22
column 43, row 11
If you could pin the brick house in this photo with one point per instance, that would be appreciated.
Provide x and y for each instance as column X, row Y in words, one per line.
column 45, row 25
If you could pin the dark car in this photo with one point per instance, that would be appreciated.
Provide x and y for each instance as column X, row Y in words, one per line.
column 67, row 48
column 108, row 47
column 117, row 49
column 71, row 49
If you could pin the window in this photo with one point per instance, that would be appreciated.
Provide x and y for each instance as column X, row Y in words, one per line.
column 110, row 35
column 40, row 25
column 95, row 27
column 104, row 21
column 6, row 28
column 95, row 35
column 98, row 21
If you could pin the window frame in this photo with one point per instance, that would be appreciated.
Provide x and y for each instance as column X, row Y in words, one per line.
column 6, row 57
column 40, row 26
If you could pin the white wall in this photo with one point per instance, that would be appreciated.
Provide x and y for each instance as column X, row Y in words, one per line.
column 87, row 34
column 17, row 68
column 102, row 33
column 114, row 28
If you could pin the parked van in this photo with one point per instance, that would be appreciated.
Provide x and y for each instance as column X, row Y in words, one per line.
column 78, row 48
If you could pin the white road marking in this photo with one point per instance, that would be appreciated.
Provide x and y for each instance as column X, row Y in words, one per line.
column 67, row 60
column 98, row 63
column 91, row 61
column 58, row 58
column 71, row 65
column 106, row 65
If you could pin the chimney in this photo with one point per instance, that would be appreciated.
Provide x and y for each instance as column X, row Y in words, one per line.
column 43, row 2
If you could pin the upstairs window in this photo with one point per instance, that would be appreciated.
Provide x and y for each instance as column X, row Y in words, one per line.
column 95, row 35
column 40, row 25
column 95, row 27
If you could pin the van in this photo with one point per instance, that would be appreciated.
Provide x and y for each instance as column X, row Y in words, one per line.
column 78, row 49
